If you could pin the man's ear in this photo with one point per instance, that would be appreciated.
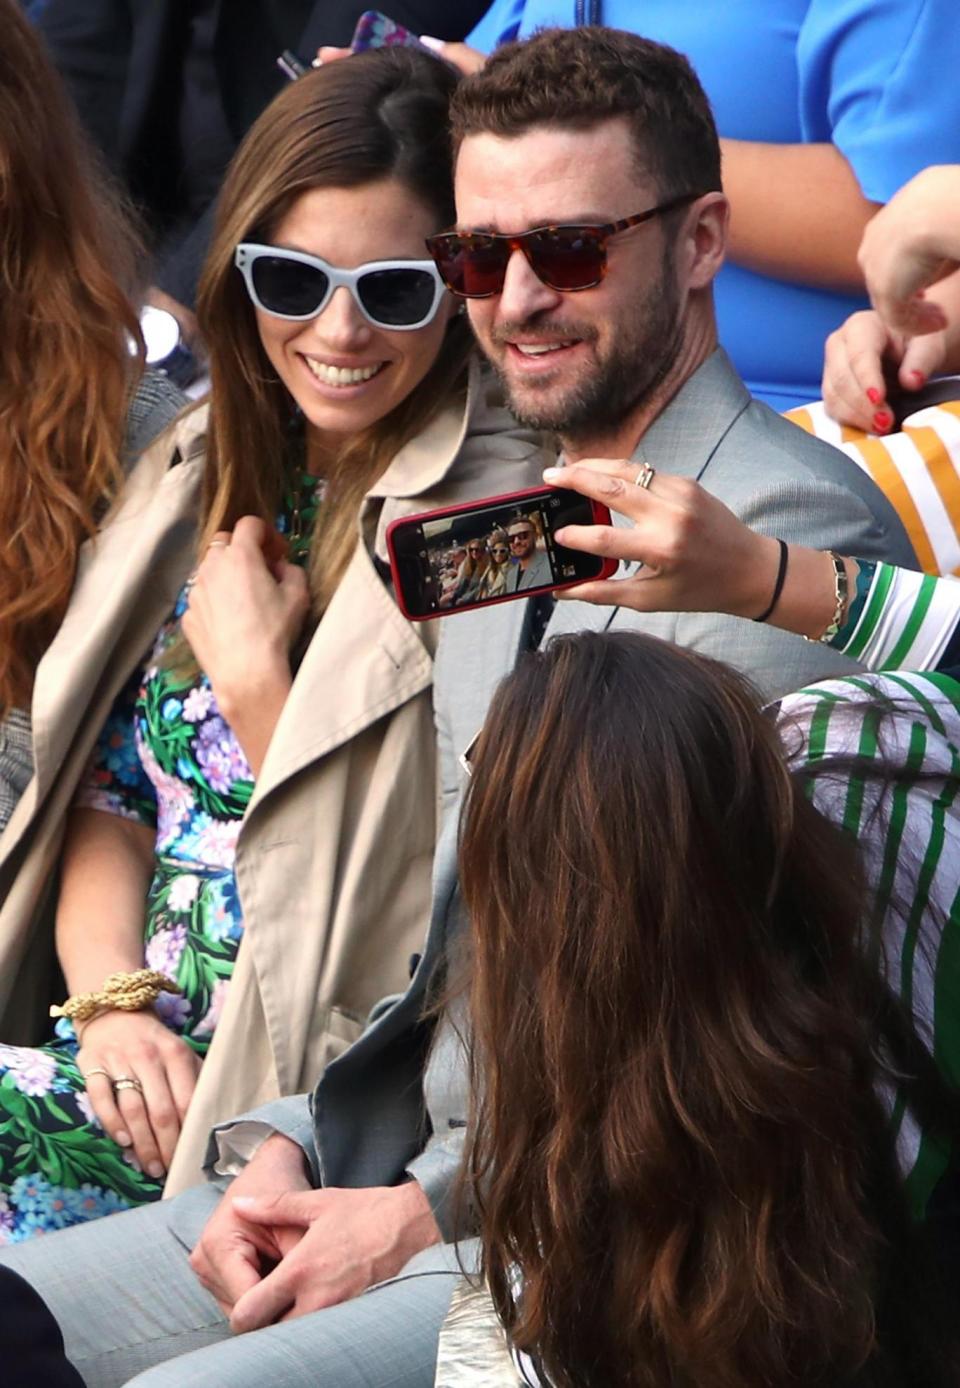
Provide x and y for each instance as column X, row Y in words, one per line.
column 705, row 242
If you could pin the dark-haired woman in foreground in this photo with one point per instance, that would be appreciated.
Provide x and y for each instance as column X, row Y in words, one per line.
column 714, row 1163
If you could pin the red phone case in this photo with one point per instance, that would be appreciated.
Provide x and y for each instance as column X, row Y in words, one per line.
column 376, row 30
column 600, row 516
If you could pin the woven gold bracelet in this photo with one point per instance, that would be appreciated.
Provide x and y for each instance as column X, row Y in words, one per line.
column 124, row 992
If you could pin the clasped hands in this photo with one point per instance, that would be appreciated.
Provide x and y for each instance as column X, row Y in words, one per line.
column 275, row 1248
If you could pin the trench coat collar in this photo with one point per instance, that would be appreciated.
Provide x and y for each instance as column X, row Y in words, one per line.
column 424, row 462
column 128, row 577
column 364, row 633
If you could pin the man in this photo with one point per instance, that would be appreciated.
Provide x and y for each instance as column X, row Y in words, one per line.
column 531, row 565
column 633, row 357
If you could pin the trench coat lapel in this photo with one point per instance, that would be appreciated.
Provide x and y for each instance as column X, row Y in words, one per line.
column 364, row 661
column 141, row 560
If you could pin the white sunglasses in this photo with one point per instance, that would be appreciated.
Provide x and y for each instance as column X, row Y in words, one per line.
column 396, row 294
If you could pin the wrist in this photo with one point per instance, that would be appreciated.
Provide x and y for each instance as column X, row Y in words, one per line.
column 759, row 570
column 255, row 693
column 283, row 1158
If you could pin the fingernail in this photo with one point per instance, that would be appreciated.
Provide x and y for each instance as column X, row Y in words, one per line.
column 242, row 1202
column 882, row 420
column 874, row 396
column 917, row 377
column 550, row 474
column 124, row 1139
column 155, row 1169
column 435, row 45
column 558, row 535
column 317, row 62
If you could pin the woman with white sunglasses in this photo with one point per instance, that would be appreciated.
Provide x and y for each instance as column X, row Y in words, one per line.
column 236, row 773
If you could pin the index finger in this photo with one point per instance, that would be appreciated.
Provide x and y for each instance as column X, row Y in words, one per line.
column 265, row 1302
column 615, row 485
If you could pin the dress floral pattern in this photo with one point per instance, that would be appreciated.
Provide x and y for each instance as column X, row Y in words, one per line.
column 167, row 759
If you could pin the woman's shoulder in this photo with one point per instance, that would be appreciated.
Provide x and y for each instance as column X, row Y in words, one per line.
column 155, row 404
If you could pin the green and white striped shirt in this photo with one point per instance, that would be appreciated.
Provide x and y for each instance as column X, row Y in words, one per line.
column 900, row 619
column 911, row 852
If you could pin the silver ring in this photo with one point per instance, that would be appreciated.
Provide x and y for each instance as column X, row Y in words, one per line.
column 99, row 1070
column 644, row 477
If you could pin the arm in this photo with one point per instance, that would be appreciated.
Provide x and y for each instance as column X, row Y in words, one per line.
column 697, row 556
column 781, row 199
column 106, row 869
column 101, row 932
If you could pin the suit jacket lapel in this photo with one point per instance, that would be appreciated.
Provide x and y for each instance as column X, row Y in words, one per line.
column 683, row 438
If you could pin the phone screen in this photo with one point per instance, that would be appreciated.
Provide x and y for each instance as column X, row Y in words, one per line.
column 466, row 557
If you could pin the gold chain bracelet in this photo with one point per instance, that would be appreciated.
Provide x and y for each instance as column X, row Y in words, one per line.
column 124, row 992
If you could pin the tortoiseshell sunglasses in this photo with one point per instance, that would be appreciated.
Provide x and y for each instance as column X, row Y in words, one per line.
column 473, row 264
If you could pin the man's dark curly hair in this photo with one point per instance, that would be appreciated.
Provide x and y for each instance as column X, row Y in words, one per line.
column 579, row 77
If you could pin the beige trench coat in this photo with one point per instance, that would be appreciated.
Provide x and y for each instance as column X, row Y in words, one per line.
column 334, row 855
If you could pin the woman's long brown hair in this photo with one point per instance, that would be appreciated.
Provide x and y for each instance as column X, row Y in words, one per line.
column 380, row 115
column 67, row 256
column 677, row 1140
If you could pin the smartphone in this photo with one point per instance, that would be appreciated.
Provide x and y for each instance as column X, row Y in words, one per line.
column 482, row 552
column 376, row 30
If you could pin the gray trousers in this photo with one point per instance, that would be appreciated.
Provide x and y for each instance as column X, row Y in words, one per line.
column 131, row 1311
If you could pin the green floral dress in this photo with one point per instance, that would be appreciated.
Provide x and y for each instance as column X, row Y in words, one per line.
column 167, row 759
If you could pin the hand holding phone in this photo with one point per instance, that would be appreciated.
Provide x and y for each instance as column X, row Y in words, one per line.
column 481, row 552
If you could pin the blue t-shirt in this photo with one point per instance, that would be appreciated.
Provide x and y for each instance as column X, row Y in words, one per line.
column 875, row 77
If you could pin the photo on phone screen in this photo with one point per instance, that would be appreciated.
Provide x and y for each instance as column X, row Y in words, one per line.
column 490, row 551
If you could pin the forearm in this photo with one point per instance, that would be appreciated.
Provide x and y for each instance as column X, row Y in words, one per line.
column 797, row 212
column 107, row 865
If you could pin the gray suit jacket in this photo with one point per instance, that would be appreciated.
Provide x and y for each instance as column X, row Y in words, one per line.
column 536, row 573
column 368, row 1122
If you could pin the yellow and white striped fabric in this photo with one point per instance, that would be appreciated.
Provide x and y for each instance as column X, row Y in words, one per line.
column 917, row 469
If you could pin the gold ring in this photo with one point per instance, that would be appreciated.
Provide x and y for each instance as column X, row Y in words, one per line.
column 99, row 1070
column 127, row 1082
column 219, row 544
column 644, row 477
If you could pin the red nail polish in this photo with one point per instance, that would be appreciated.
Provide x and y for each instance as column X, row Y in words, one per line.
column 917, row 377
column 874, row 396
column 882, row 420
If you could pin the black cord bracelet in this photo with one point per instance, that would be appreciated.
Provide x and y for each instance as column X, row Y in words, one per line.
column 778, row 586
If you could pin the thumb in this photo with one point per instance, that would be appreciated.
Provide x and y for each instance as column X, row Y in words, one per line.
column 467, row 59
column 923, row 358
column 293, row 1207
column 294, row 587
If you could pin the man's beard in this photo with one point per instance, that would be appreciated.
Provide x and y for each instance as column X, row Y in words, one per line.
column 646, row 344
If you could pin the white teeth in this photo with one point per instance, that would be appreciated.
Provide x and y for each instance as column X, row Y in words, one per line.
column 341, row 375
column 537, row 349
